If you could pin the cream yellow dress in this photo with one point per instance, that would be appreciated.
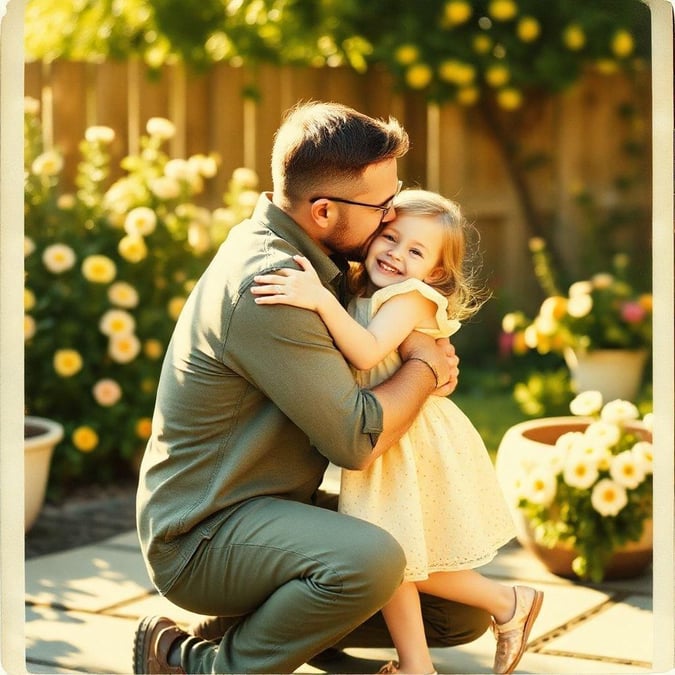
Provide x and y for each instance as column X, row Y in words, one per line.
column 436, row 491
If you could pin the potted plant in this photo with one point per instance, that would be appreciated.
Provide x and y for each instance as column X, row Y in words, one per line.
column 40, row 436
column 580, row 488
column 602, row 327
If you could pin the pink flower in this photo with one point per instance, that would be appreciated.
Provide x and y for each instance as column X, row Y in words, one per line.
column 632, row 312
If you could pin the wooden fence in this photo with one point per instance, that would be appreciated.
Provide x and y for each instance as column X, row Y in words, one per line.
column 578, row 131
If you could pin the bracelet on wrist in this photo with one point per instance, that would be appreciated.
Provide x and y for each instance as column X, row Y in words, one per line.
column 425, row 362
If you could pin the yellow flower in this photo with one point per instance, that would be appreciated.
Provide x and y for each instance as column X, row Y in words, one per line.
column 528, row 29
column 607, row 66
column 457, row 12
column 28, row 246
column 98, row 269
column 502, row 10
column 497, row 75
column 509, row 98
column 153, row 349
column 144, row 428
column 646, row 301
column 140, row 221
column 67, row 362
column 554, row 307
column 175, row 306
column 124, row 348
column 418, row 76
column 133, row 248
column 85, row 439
column 482, row 44
column 574, row 37
column 456, row 72
column 622, row 44
column 467, row 95
column 58, row 258
column 405, row 55
column 28, row 327
column 28, row 299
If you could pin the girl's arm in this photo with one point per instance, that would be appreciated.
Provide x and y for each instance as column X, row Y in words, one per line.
column 362, row 347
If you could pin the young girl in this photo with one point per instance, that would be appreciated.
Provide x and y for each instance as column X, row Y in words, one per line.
column 435, row 491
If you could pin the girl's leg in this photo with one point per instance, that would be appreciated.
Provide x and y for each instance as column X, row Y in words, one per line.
column 403, row 615
column 472, row 588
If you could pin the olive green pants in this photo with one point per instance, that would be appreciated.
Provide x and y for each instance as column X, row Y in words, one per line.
column 287, row 580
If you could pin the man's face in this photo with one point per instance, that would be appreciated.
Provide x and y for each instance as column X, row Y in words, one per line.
column 356, row 224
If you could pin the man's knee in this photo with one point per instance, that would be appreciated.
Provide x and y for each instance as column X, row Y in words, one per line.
column 448, row 624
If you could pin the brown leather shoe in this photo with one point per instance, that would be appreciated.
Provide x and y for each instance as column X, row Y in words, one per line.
column 154, row 637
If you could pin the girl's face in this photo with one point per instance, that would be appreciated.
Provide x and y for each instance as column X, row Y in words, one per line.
column 406, row 248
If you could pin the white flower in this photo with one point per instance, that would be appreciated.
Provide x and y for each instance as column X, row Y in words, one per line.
column 546, row 324
column 643, row 451
column 580, row 288
column 117, row 322
column 538, row 486
column 619, row 411
column 579, row 306
column 31, row 105
column 602, row 280
column 123, row 294
column 124, row 348
column 100, row 134
column 568, row 441
column 180, row 169
column 204, row 165
column 28, row 246
column 605, row 434
column 164, row 187
column 608, row 498
column 626, row 471
column 245, row 178
column 586, row 403
column 49, row 163
column 161, row 127
column 199, row 237
column 58, row 258
column 580, row 471
column 648, row 421
column 140, row 221
column 107, row 392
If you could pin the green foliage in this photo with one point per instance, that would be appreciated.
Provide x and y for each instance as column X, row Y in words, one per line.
column 107, row 271
column 450, row 49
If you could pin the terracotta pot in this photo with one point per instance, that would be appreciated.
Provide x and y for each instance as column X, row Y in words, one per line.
column 615, row 373
column 531, row 441
column 40, row 437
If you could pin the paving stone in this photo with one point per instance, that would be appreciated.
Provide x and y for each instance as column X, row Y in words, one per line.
column 90, row 643
column 624, row 632
column 89, row 578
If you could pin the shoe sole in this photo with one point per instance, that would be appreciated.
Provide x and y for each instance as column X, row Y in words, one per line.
column 141, row 638
column 529, row 622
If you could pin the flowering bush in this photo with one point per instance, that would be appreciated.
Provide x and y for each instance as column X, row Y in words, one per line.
column 593, row 493
column 603, row 312
column 107, row 270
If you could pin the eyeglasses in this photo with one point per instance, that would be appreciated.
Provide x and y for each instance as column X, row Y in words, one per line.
column 384, row 207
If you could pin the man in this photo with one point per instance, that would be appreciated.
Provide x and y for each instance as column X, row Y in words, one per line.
column 252, row 404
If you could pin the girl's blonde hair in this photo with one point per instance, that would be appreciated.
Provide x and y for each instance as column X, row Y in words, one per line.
column 459, row 283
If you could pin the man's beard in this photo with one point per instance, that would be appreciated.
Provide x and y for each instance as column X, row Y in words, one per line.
column 337, row 242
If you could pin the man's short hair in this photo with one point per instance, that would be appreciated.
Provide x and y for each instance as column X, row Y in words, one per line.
column 322, row 145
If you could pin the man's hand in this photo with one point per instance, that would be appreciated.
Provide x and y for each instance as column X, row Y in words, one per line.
column 440, row 354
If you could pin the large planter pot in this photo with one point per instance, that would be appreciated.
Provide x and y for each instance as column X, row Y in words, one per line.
column 531, row 441
column 40, row 437
column 615, row 373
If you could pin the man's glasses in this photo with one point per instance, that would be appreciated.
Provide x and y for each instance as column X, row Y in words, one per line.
column 384, row 206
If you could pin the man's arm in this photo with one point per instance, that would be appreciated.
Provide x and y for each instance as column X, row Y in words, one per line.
column 426, row 363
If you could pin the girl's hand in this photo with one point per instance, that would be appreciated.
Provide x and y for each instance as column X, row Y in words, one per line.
column 298, row 288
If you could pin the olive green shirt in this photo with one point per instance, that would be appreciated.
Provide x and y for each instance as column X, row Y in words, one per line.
column 252, row 400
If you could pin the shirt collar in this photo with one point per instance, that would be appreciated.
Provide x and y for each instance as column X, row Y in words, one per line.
column 329, row 268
